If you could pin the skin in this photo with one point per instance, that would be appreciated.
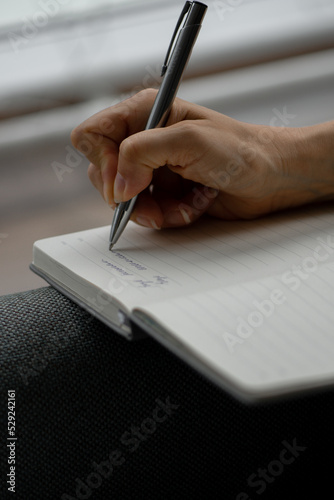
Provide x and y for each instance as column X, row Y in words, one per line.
column 203, row 162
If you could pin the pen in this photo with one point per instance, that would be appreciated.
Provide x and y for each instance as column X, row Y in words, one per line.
column 178, row 54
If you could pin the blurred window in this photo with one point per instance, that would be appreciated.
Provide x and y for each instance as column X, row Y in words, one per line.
column 17, row 12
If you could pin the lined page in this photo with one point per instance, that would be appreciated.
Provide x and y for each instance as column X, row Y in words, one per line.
column 148, row 265
column 262, row 337
column 274, row 332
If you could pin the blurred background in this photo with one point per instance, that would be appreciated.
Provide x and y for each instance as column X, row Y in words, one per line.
column 261, row 61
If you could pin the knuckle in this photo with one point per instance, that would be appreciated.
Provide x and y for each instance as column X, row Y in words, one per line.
column 81, row 137
column 129, row 149
column 191, row 146
column 192, row 131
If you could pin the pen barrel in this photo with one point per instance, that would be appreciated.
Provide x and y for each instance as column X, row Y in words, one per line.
column 172, row 78
column 196, row 13
column 165, row 97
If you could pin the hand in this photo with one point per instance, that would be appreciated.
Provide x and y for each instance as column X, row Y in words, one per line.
column 201, row 161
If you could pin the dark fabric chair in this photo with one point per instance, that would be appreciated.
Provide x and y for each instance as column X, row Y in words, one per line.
column 103, row 418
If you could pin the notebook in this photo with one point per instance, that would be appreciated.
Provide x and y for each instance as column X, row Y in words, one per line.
column 249, row 304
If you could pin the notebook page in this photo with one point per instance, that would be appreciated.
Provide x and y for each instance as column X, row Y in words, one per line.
column 262, row 337
column 274, row 333
column 148, row 266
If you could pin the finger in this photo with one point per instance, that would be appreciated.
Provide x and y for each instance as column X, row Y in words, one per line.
column 115, row 123
column 95, row 177
column 179, row 145
column 98, row 137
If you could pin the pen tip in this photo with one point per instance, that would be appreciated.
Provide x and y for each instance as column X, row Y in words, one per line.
column 110, row 246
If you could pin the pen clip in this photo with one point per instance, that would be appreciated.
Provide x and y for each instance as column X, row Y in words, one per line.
column 185, row 9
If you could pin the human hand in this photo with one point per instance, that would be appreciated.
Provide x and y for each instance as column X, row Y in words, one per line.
column 201, row 161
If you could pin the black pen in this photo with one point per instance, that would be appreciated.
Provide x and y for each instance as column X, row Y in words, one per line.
column 178, row 54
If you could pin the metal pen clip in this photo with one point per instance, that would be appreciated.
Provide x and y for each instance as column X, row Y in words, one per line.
column 185, row 9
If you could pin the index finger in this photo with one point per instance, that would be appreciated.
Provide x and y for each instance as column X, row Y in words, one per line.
column 99, row 137
column 115, row 123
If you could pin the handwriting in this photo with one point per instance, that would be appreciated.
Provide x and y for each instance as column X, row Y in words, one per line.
column 157, row 281
column 116, row 268
column 139, row 267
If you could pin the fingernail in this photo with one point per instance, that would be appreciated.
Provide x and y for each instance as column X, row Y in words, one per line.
column 144, row 221
column 178, row 217
column 119, row 187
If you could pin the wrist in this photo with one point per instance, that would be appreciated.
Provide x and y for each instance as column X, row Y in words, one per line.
column 314, row 146
column 307, row 155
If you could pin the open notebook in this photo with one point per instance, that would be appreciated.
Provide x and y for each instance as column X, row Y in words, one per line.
column 249, row 304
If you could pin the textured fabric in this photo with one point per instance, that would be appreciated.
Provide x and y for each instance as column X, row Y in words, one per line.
column 103, row 418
